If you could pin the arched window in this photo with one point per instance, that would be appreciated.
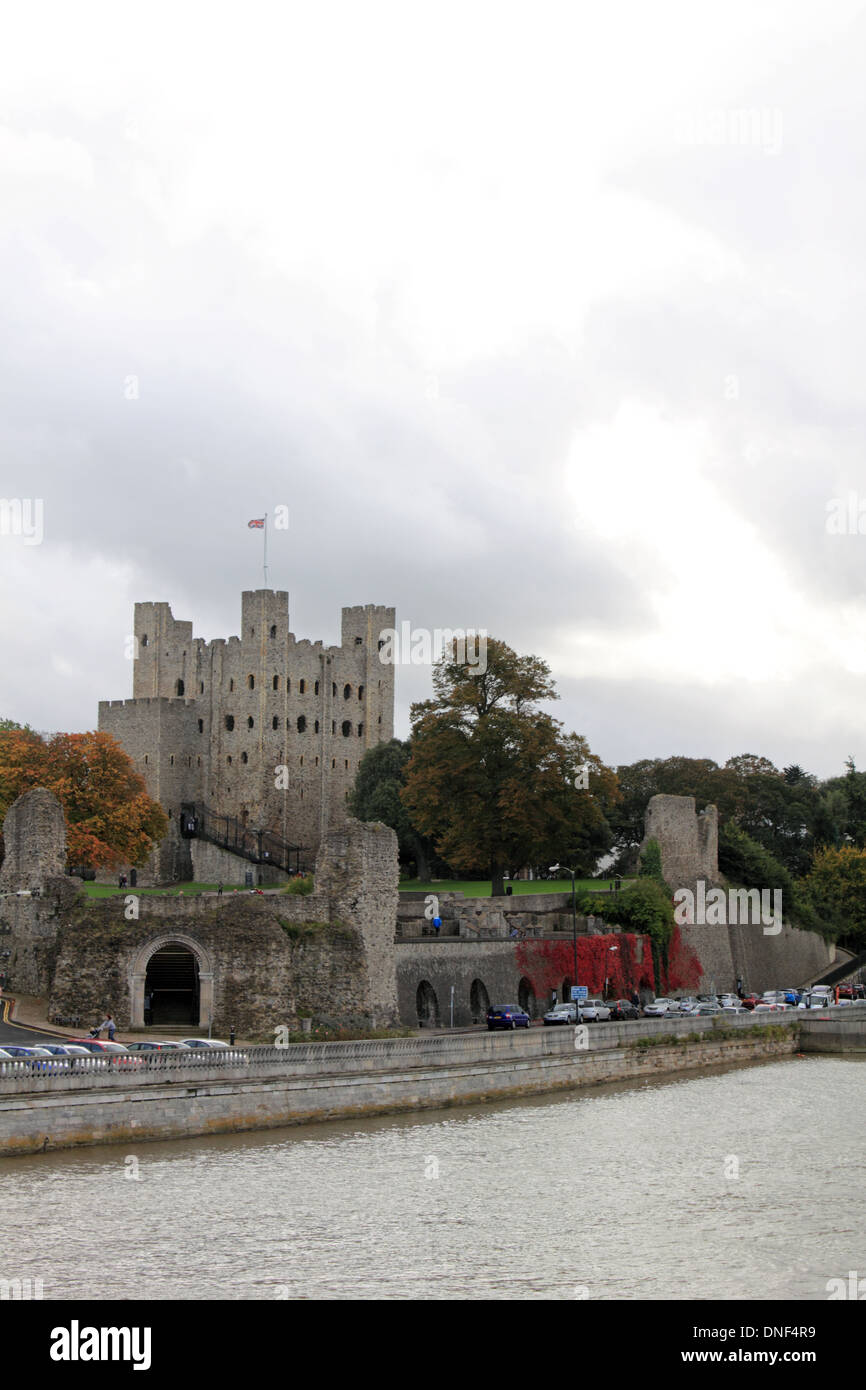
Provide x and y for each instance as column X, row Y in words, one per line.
column 275, row 723
column 276, row 682
column 317, row 726
column 171, row 760
column 229, row 759
column 244, row 758
column 316, row 688
column 347, row 691
column 251, row 682
column 201, row 687
column 360, row 692
column 333, row 687
column 178, row 687
column 273, row 629
column 346, row 727
column 250, row 722
column 230, row 722
column 144, row 639
column 479, row 1001
column 426, row 1005
column 302, row 687
column 302, row 723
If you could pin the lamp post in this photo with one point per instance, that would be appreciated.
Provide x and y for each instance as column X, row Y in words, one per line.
column 606, row 976
column 554, row 868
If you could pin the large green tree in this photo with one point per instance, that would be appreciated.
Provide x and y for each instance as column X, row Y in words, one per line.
column 376, row 796
column 493, row 780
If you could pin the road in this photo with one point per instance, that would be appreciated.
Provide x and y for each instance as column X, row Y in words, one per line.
column 19, row 1035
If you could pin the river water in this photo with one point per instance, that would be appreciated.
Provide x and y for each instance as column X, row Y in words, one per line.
column 742, row 1184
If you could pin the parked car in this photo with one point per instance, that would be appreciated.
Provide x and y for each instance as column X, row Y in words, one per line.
column 661, row 1008
column 766, row 1007
column 813, row 1001
column 729, row 1001
column 622, row 1009
column 506, row 1016
column 66, row 1050
column 205, row 1042
column 153, row 1046
column 26, row 1052
column 686, row 1004
column 750, row 1000
column 703, row 1010
column 563, row 1013
column 594, row 1011
column 734, row 1009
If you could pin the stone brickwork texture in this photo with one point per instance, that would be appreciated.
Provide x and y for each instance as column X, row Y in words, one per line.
column 212, row 721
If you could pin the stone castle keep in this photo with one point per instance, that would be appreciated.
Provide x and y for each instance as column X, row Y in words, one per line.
column 211, row 724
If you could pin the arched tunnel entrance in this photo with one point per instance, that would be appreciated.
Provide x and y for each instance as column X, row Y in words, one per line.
column 171, row 986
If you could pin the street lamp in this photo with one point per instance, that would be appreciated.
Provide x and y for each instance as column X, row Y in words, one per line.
column 554, row 868
column 606, row 976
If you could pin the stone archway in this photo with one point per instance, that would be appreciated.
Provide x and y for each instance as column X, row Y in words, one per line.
column 427, row 1005
column 479, row 1001
column 526, row 998
column 172, row 948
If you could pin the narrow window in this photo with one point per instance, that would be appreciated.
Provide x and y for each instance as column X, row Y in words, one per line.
column 229, row 759
column 360, row 731
column 276, row 682
column 201, row 726
column 333, row 687
column 250, row 722
column 144, row 639
column 302, row 687
column 347, row 762
column 347, row 691
column 145, row 757
column 201, row 687
column 316, row 688
column 275, row 723
column 301, row 760
column 231, row 686
column 171, row 760
column 346, row 727
column 317, row 762
column 333, row 764
column 333, row 726
column 288, row 687
column 251, row 682
column 302, row 723
column 244, row 758
column 360, row 692
column 317, row 726
column 230, row 722
column 178, row 688
column 273, row 630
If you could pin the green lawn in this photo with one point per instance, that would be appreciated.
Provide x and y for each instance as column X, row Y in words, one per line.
column 480, row 888
column 109, row 890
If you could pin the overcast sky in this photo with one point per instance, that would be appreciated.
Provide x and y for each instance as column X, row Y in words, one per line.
column 546, row 319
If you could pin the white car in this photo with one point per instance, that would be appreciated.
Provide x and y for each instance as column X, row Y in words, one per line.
column 594, row 1011
column 563, row 1013
column 686, row 1005
column 661, row 1008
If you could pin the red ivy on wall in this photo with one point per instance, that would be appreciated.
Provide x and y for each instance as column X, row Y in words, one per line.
column 546, row 964
column 684, row 968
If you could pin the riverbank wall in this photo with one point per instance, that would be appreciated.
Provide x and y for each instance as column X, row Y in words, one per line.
column 170, row 1096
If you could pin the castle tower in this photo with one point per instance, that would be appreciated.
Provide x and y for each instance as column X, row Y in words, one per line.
column 263, row 728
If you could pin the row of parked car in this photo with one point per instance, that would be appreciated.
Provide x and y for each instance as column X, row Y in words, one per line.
column 702, row 1005
column 121, row 1054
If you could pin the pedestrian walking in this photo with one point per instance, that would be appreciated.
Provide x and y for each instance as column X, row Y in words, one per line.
column 108, row 1023
column 219, row 890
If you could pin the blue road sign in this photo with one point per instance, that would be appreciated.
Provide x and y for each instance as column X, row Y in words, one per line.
column 579, row 993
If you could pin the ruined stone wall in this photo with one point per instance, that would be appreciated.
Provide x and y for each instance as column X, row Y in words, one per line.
column 34, row 888
column 257, row 702
column 689, row 842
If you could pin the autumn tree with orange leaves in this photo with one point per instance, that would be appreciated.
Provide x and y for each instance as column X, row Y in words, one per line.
column 110, row 819
column 494, row 781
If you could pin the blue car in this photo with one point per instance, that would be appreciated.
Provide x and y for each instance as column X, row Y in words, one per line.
column 506, row 1016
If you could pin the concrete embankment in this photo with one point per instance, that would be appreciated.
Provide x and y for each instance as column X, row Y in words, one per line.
column 166, row 1096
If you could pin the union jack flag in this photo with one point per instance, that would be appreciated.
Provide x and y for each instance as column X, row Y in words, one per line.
column 257, row 523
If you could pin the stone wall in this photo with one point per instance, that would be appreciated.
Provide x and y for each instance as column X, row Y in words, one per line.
column 34, row 888
column 689, row 842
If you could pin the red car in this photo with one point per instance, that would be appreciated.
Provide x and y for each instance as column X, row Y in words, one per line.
column 750, row 1000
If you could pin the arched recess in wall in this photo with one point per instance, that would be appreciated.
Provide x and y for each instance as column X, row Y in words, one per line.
column 427, row 1005
column 565, row 994
column 178, row 973
column 526, row 998
column 479, row 1001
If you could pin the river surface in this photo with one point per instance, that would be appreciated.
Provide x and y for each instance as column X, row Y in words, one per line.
column 742, row 1184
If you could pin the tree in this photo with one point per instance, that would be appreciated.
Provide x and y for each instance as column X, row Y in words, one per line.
column 837, row 888
column 376, row 796
column 493, row 781
column 110, row 818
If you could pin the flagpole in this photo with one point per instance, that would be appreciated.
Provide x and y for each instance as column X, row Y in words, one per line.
column 266, row 550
